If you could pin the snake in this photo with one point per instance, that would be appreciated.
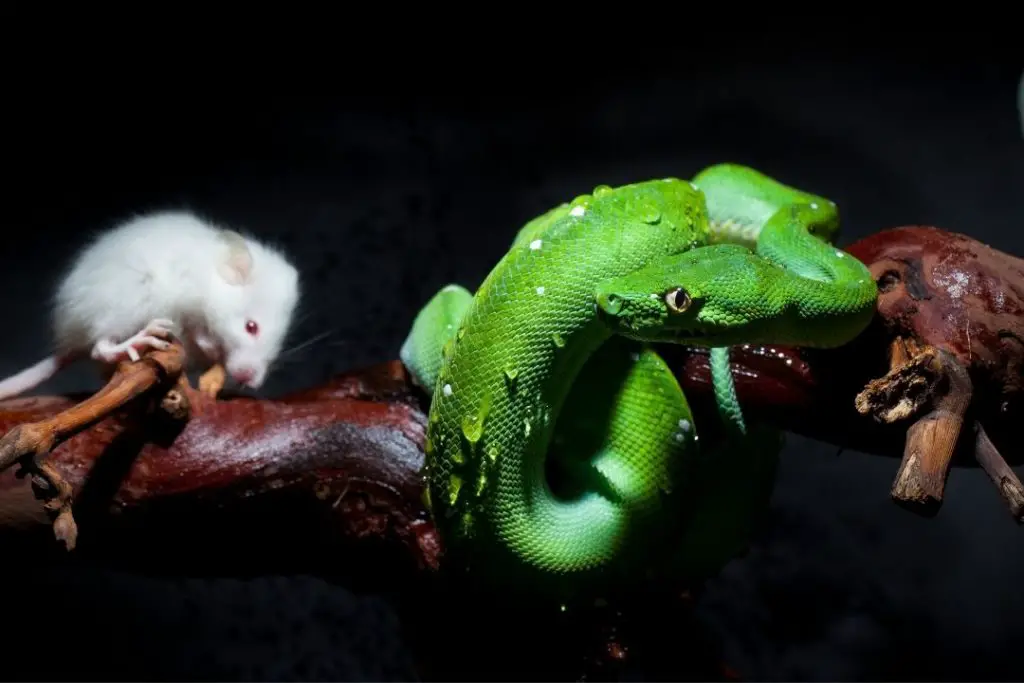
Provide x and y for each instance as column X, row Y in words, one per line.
column 560, row 448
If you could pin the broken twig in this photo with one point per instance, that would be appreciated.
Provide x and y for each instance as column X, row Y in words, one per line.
column 999, row 472
column 931, row 442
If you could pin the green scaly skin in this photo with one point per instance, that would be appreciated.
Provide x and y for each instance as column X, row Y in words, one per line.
column 560, row 447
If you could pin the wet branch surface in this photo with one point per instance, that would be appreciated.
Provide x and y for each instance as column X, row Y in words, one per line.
column 166, row 479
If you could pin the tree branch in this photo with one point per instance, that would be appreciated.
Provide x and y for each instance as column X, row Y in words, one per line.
column 26, row 442
column 999, row 472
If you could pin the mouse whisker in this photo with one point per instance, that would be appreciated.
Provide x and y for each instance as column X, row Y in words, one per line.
column 303, row 316
column 306, row 344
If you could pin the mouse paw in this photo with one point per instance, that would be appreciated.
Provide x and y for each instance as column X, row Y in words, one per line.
column 110, row 351
column 158, row 327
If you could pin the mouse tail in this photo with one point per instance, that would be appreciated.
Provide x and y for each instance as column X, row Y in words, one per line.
column 33, row 376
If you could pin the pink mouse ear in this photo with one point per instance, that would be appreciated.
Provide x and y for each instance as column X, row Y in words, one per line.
column 236, row 269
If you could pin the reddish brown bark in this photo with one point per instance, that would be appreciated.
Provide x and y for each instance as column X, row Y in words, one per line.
column 359, row 438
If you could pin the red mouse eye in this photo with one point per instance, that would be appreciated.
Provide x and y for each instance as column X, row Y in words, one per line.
column 251, row 327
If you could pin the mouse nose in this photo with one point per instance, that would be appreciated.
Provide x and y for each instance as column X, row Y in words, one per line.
column 244, row 375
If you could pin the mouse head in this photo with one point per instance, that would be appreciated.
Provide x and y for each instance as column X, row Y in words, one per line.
column 254, row 297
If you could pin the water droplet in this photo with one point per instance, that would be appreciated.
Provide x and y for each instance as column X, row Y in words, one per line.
column 634, row 356
column 511, row 375
column 472, row 428
column 814, row 205
column 601, row 190
column 454, row 486
column 559, row 340
column 536, row 244
column 492, row 453
column 540, row 291
column 526, row 427
column 473, row 424
column 684, row 425
column 562, row 607
column 578, row 211
column 481, row 483
column 680, row 437
column 466, row 522
column 447, row 390
column 546, row 416
column 651, row 215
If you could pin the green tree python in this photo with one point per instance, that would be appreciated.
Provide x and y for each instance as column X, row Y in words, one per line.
column 560, row 448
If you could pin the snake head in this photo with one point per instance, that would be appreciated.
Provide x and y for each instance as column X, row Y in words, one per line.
column 711, row 296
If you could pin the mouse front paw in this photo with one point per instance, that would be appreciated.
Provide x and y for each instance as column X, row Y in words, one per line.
column 155, row 335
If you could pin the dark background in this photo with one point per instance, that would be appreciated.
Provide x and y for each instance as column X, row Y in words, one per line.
column 382, row 197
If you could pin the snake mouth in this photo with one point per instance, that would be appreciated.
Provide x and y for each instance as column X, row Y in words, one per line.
column 692, row 334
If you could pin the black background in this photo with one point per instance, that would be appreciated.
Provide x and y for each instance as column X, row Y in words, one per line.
column 383, row 197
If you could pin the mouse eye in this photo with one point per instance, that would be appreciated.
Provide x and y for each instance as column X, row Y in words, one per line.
column 677, row 300
column 251, row 327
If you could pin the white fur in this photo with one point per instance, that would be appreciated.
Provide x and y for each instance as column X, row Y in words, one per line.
column 174, row 265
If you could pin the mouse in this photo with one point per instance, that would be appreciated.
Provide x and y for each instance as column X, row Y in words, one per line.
column 226, row 296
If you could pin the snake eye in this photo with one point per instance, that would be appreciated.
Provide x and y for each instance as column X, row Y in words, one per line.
column 677, row 300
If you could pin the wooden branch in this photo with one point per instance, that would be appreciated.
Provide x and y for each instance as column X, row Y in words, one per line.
column 353, row 445
column 932, row 440
column 1006, row 481
column 27, row 442
column 950, row 307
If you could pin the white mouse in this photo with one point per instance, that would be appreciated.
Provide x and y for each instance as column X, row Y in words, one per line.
column 229, row 298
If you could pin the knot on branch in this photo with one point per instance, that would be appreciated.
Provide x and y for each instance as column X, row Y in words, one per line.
column 911, row 384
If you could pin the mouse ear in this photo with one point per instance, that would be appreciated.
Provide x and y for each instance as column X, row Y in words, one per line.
column 237, row 267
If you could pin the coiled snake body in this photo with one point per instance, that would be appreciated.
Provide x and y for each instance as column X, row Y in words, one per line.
column 560, row 447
